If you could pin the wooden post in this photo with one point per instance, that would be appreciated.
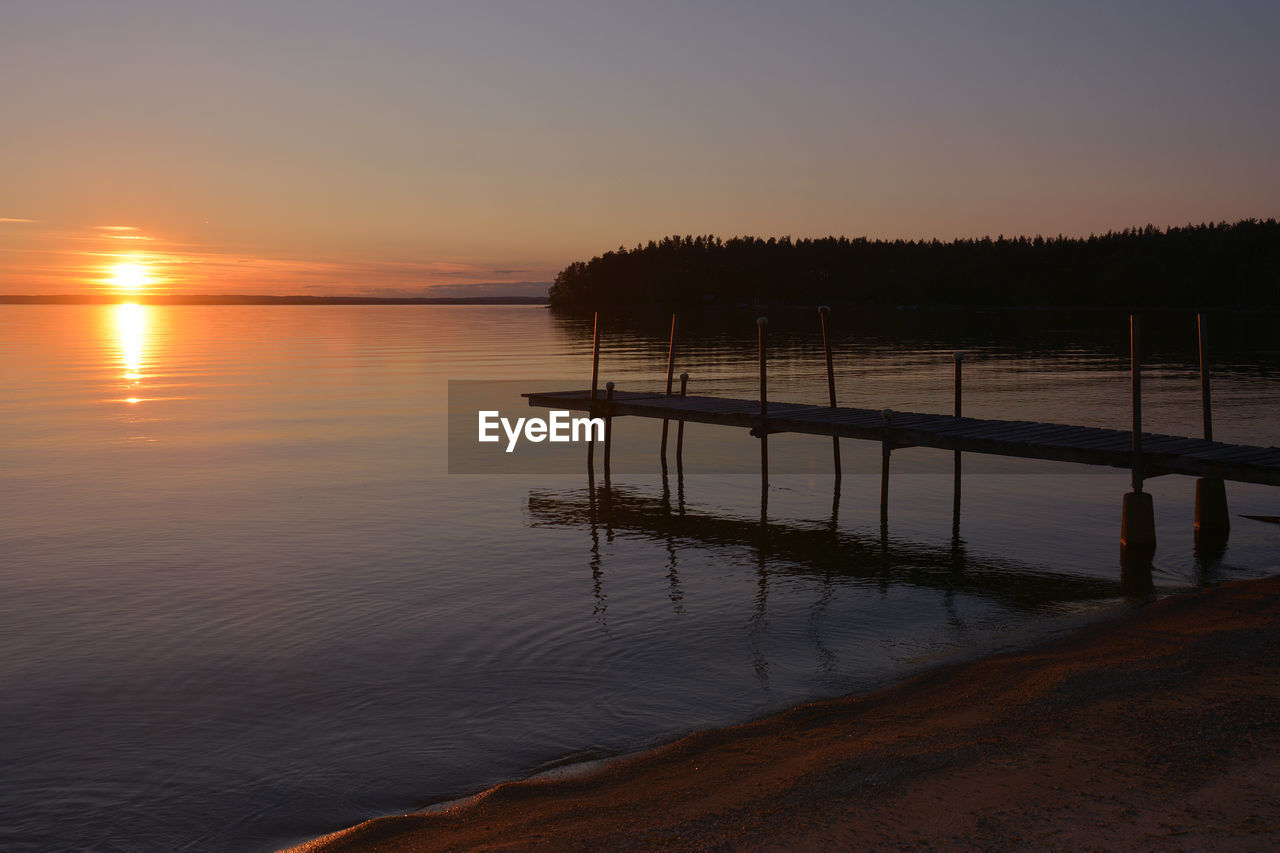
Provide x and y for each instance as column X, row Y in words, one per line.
column 671, row 356
column 1212, row 516
column 955, row 487
column 671, row 350
column 1206, row 404
column 684, row 388
column 1135, row 371
column 823, row 310
column 1137, row 521
column 761, row 323
column 886, row 446
column 608, row 429
column 595, row 356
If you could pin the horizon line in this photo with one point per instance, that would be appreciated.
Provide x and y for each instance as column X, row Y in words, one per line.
column 259, row 299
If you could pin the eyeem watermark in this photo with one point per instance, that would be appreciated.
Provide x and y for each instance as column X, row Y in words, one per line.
column 560, row 426
column 494, row 430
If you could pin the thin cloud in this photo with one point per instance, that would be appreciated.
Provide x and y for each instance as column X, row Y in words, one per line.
column 116, row 227
column 13, row 219
column 479, row 288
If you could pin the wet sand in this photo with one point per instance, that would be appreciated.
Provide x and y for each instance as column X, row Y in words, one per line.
column 1159, row 730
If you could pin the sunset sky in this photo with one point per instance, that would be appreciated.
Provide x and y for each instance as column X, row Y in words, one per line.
column 441, row 148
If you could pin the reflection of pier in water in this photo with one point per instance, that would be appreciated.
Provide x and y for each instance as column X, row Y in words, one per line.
column 823, row 550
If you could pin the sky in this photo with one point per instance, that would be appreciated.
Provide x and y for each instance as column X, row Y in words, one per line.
column 442, row 148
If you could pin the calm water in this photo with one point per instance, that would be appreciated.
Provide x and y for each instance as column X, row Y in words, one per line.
column 242, row 602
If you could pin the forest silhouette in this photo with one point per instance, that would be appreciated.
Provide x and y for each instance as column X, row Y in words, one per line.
column 1209, row 265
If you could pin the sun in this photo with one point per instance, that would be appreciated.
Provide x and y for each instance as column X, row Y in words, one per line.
column 129, row 276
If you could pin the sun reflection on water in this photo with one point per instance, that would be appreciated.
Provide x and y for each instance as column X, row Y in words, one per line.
column 131, row 329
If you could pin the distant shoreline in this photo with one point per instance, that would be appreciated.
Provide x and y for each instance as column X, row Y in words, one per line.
column 247, row 299
column 1190, row 267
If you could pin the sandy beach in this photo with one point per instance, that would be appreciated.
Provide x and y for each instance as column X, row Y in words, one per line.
column 1159, row 730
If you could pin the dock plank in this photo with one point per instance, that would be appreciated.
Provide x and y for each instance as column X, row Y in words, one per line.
column 1026, row 439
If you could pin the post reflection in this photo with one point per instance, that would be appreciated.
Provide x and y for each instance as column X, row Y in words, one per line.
column 1137, row 580
column 825, row 553
column 593, row 522
column 1210, row 551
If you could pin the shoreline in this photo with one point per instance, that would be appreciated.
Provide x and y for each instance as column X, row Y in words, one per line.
column 1158, row 729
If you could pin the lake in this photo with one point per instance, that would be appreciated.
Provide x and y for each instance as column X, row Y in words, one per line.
column 244, row 603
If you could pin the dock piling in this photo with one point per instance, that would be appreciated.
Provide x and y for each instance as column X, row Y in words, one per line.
column 595, row 355
column 1138, row 520
column 761, row 323
column 1206, row 403
column 671, row 361
column 886, row 447
column 684, row 389
column 1212, row 515
column 958, row 357
column 823, row 311
column 1135, row 374
column 671, row 350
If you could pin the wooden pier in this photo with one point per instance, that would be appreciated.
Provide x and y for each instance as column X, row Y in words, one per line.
column 1144, row 454
column 1161, row 454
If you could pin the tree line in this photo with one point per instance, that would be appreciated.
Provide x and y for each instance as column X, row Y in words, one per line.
column 1215, row 264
